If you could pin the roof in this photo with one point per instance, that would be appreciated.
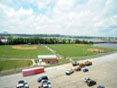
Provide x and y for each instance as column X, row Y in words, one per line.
column 47, row 56
column 32, row 68
column 2, row 37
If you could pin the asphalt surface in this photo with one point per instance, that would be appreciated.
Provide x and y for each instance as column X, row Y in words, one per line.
column 103, row 71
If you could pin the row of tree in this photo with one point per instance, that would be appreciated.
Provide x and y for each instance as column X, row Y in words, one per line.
column 15, row 41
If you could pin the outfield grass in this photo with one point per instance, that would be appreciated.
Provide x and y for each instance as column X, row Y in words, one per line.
column 12, row 64
column 8, row 52
column 73, row 50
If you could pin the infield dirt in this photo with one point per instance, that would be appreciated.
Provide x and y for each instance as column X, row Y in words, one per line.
column 24, row 48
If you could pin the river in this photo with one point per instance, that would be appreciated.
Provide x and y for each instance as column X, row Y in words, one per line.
column 107, row 45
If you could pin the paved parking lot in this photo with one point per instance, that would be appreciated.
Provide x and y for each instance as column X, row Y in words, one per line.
column 103, row 71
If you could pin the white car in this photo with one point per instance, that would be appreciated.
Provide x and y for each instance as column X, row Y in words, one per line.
column 22, row 84
column 45, row 84
column 86, row 79
column 69, row 71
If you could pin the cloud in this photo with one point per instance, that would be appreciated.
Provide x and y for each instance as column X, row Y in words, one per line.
column 70, row 17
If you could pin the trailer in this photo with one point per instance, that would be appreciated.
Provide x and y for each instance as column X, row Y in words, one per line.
column 32, row 71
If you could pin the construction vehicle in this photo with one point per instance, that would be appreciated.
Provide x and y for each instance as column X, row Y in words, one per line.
column 82, row 65
column 87, row 63
column 74, row 63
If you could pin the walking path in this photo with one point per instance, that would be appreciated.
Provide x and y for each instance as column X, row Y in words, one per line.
column 33, row 61
column 51, row 50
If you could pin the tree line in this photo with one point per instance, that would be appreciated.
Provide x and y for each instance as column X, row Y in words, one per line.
column 15, row 41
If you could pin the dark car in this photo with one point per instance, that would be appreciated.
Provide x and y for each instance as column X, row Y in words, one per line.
column 85, row 70
column 89, row 82
column 75, row 63
column 42, row 78
column 100, row 86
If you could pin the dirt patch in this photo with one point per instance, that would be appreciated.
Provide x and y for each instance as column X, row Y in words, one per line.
column 80, row 44
column 97, row 50
column 24, row 48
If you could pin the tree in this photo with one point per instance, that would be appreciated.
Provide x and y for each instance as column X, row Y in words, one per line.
column 69, row 41
column 1, row 42
column 77, row 41
column 64, row 41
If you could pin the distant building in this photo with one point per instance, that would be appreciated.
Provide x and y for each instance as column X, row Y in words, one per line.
column 3, row 39
column 47, row 59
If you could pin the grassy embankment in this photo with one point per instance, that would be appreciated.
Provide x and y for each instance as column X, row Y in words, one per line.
column 14, row 64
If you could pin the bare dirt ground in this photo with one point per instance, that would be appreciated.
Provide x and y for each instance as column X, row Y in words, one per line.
column 103, row 71
column 24, row 48
column 80, row 44
column 97, row 50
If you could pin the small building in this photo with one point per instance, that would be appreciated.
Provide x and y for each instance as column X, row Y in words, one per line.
column 3, row 38
column 47, row 59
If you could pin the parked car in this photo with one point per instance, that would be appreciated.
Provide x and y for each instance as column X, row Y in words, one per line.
column 42, row 78
column 75, row 63
column 100, row 86
column 86, row 79
column 45, row 83
column 22, row 84
column 85, row 70
column 89, row 82
column 77, row 69
column 69, row 71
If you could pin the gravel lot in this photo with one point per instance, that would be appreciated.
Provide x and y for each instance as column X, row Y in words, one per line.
column 103, row 71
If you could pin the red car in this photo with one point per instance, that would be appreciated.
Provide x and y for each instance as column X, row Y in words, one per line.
column 78, row 68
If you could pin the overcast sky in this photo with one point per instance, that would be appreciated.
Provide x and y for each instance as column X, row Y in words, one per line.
column 69, row 17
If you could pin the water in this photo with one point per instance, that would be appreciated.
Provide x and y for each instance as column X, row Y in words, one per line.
column 107, row 45
column 93, row 40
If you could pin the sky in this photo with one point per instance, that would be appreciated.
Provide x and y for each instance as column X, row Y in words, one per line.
column 66, row 17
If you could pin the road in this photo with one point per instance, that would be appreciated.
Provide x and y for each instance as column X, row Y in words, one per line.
column 103, row 71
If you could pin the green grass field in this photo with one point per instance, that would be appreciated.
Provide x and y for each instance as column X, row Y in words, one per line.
column 12, row 64
column 73, row 50
column 9, row 52
column 65, row 50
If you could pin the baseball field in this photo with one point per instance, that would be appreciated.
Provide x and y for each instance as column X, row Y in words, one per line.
column 22, row 54
column 32, row 51
column 76, row 50
column 22, row 51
